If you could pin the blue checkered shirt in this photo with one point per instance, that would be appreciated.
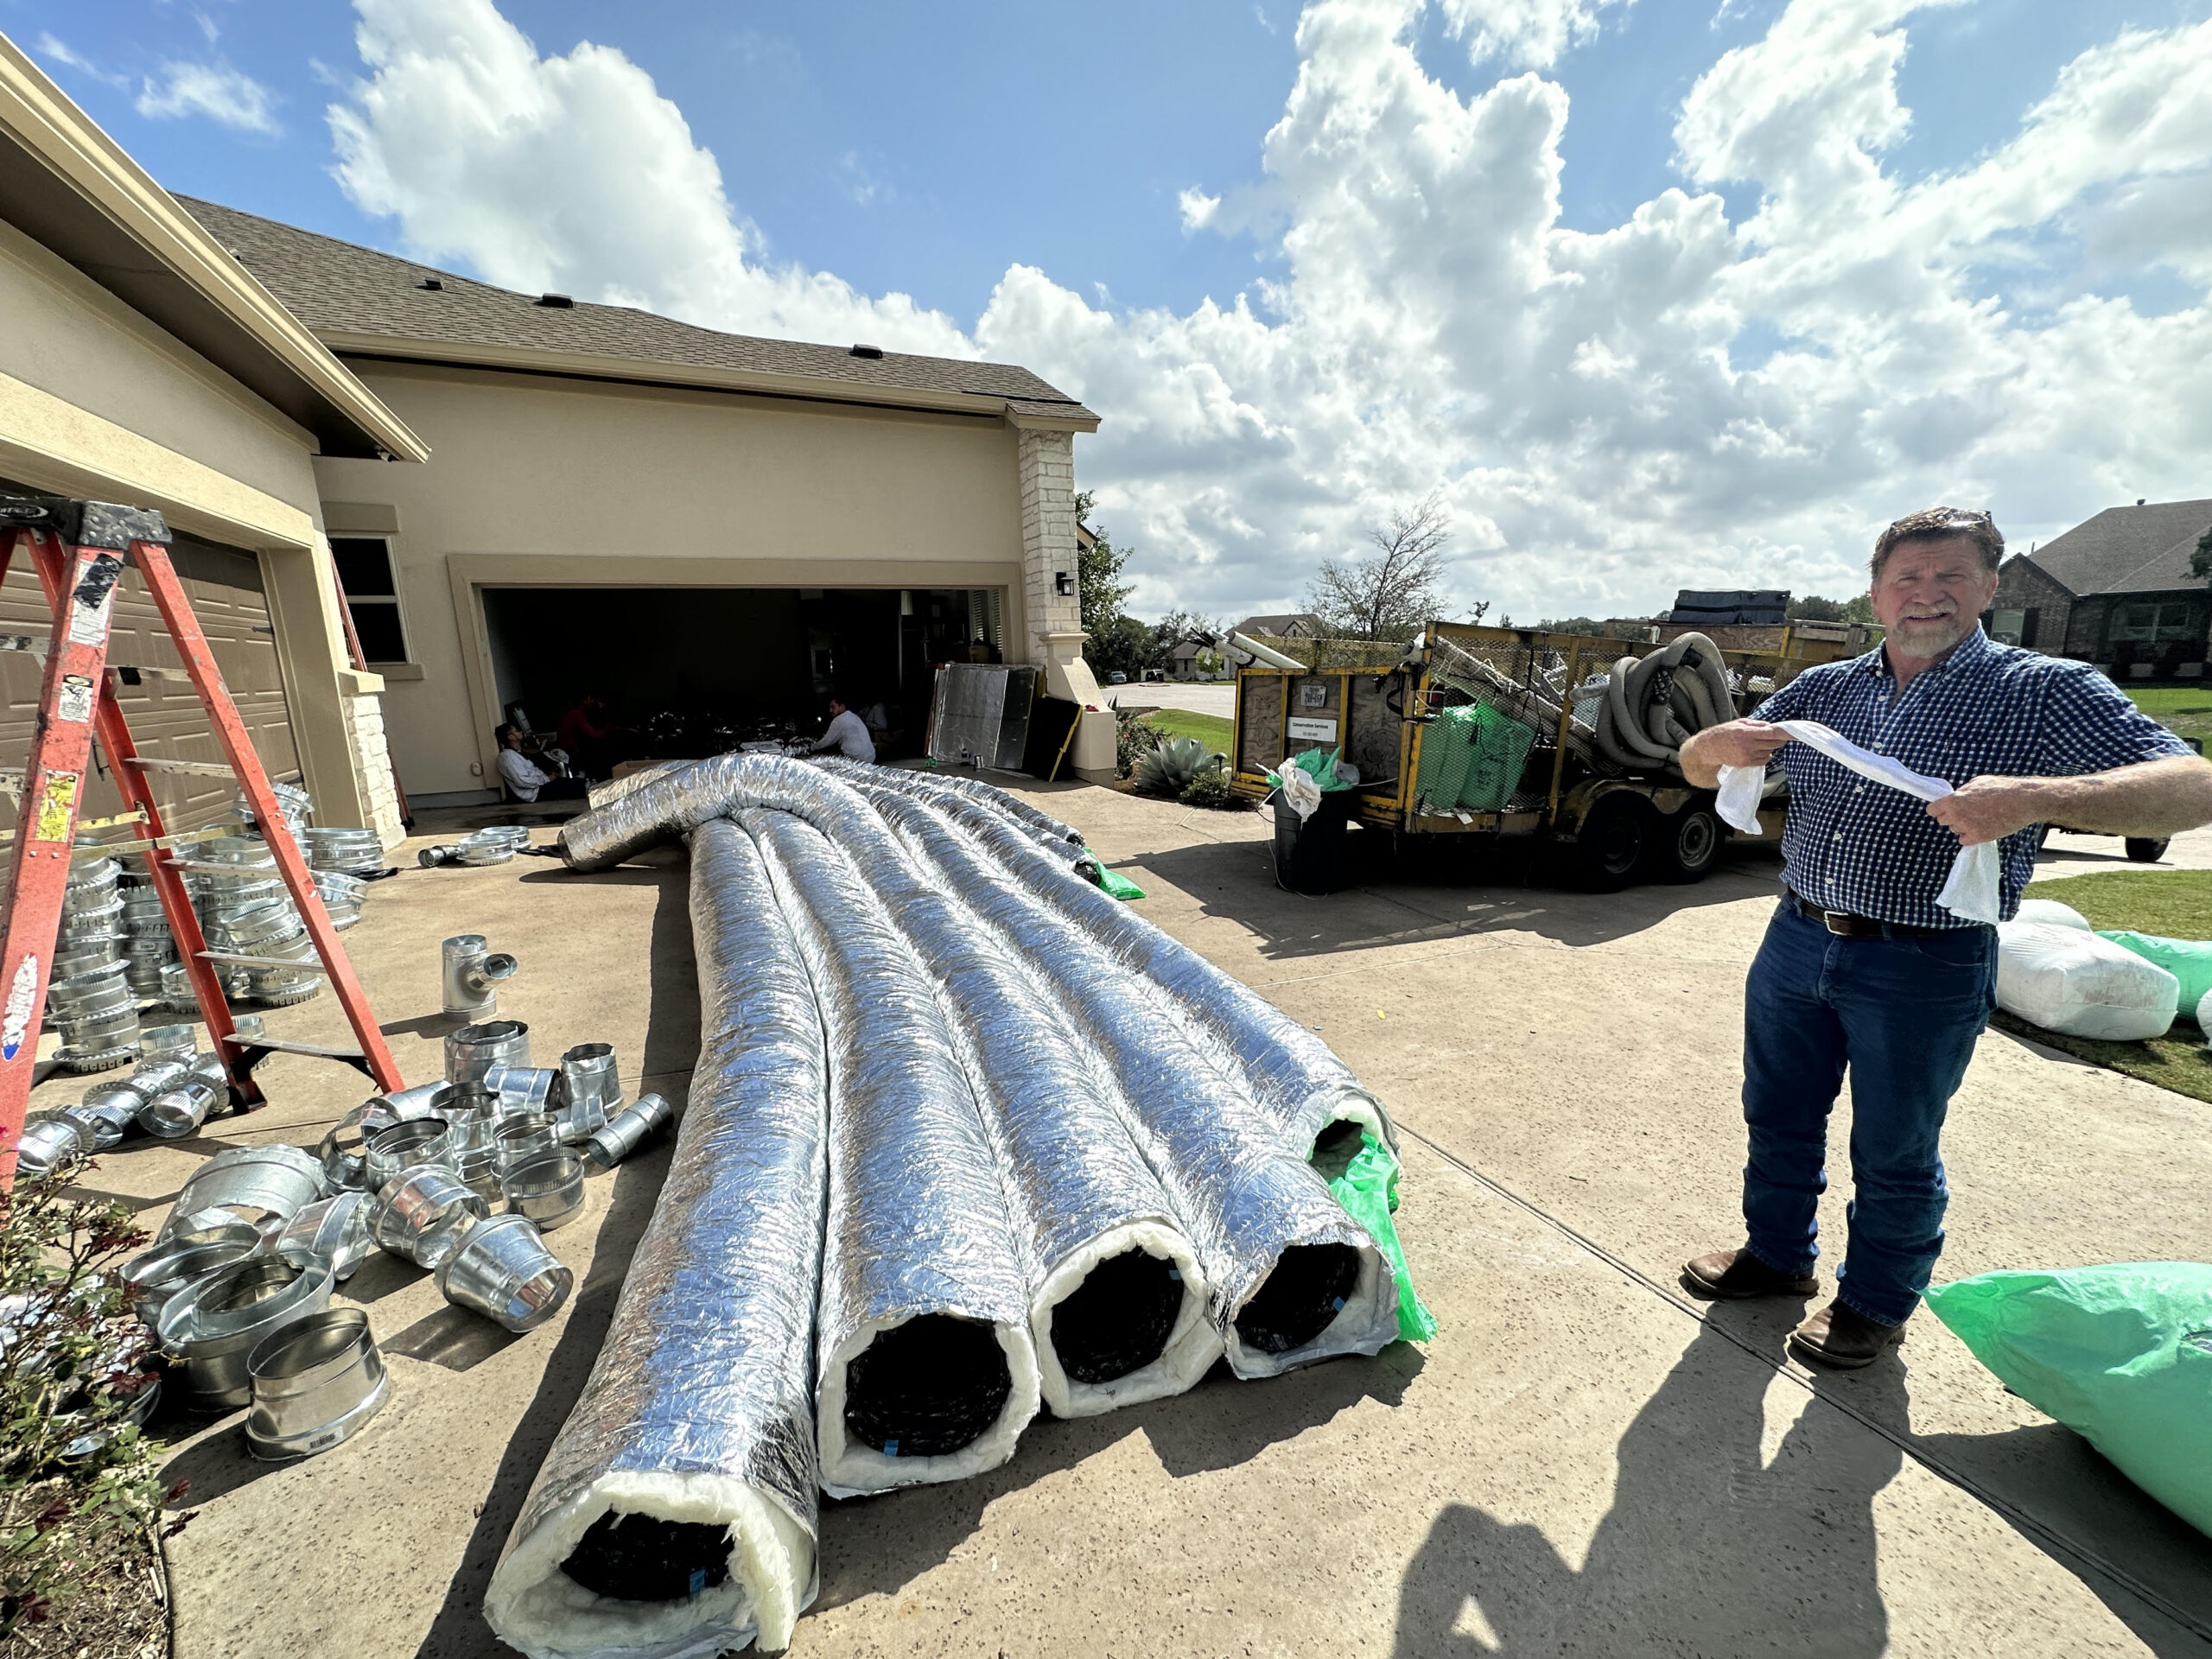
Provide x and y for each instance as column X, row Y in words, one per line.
column 1987, row 709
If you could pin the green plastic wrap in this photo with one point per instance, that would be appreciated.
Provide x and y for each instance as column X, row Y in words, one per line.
column 1470, row 759
column 2121, row 1355
column 2189, row 961
column 1368, row 1191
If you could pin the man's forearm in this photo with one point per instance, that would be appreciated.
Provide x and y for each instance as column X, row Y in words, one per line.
column 1697, row 762
column 2155, row 797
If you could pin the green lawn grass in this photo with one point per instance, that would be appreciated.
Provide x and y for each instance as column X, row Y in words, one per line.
column 1210, row 729
column 2183, row 708
column 2174, row 904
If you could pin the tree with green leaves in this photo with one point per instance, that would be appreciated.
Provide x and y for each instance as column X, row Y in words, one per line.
column 1098, row 585
column 2200, row 562
column 1814, row 608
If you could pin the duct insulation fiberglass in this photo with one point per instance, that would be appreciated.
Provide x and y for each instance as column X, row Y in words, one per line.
column 1291, row 1278
column 924, row 1366
column 675, row 1515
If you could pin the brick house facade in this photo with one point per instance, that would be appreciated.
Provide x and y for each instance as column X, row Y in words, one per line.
column 2116, row 591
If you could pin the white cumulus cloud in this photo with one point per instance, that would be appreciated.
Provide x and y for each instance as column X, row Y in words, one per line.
column 1682, row 400
column 228, row 97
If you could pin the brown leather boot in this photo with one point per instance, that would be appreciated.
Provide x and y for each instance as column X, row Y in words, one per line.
column 1735, row 1275
column 1842, row 1339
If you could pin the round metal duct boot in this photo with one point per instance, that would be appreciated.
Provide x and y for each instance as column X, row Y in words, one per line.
column 315, row 1383
column 628, row 1129
column 548, row 1189
column 49, row 1142
column 180, row 1111
column 403, row 1146
column 215, row 1326
column 155, row 1279
column 504, row 1271
column 525, row 1137
column 333, row 1232
column 423, row 1213
column 474, row 1050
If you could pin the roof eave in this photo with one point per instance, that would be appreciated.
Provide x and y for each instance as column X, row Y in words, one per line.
column 211, row 302
column 655, row 372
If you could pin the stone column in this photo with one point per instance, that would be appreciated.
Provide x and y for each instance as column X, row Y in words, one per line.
column 1048, row 549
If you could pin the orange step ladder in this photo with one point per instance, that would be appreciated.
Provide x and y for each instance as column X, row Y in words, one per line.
column 79, row 549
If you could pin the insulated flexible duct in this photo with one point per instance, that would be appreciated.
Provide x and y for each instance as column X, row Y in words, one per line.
column 1117, row 1299
column 675, row 1515
column 1293, row 1279
column 937, row 786
column 924, row 1366
column 1653, row 705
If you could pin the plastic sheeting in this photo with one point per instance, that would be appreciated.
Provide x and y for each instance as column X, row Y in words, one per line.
column 699, row 1410
column 917, row 1226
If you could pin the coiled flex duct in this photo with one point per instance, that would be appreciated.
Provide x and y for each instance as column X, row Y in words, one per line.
column 674, row 1515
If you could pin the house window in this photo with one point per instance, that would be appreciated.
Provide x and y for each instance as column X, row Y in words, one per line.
column 2030, row 620
column 364, row 572
column 2153, row 624
column 2005, row 626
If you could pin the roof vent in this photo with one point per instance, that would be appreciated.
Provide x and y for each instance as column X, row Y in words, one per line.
column 433, row 284
column 866, row 351
column 557, row 302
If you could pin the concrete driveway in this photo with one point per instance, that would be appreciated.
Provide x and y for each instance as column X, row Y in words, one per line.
column 1583, row 1462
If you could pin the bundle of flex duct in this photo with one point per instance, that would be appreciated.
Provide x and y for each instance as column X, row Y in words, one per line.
column 1037, row 1153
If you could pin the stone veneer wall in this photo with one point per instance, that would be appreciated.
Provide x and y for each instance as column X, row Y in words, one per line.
column 372, row 765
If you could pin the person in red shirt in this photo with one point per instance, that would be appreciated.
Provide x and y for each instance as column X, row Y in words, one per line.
column 590, row 736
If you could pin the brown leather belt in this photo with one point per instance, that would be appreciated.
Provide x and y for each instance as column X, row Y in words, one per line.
column 1844, row 924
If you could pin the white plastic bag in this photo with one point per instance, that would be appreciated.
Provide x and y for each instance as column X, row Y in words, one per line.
column 1299, row 789
column 2051, row 912
column 1738, row 802
column 2065, row 980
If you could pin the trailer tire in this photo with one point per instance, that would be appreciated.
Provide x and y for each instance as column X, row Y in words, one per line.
column 1688, row 843
column 1615, row 842
column 2144, row 849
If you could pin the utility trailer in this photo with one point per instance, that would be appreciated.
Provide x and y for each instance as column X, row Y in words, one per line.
column 1480, row 731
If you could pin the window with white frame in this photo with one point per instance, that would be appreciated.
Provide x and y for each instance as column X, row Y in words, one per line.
column 371, row 587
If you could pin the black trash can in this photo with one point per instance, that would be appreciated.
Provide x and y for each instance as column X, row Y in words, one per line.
column 1309, row 855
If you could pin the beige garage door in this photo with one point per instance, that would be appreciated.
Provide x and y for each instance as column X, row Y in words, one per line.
column 164, row 712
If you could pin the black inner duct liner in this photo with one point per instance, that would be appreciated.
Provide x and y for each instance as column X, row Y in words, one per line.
column 643, row 1558
column 1301, row 1296
column 1117, row 1319
column 927, row 1388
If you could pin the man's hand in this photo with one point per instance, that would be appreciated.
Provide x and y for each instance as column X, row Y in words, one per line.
column 1733, row 743
column 1989, row 809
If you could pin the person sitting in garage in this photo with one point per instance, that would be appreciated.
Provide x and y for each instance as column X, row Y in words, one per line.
column 848, row 732
column 525, row 779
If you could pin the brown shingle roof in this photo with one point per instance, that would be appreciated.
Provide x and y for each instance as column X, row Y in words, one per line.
column 2142, row 550
column 344, row 293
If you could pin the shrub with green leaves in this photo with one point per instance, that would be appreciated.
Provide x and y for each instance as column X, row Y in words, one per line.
column 1209, row 789
column 75, row 1470
column 1133, row 741
column 1169, row 769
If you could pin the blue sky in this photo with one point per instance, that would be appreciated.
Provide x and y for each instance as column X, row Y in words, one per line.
column 935, row 151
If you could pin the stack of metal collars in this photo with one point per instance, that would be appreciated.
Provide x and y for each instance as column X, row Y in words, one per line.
column 975, row 1139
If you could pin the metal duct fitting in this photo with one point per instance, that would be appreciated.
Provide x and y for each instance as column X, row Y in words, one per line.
column 524, row 1090
column 331, row 1232
column 155, row 1279
column 924, row 1369
column 472, row 972
column 628, row 1129
column 504, row 1271
column 344, row 1152
column 345, row 850
column 548, row 1189
column 1118, row 1300
column 50, row 1142
column 695, row 1434
column 423, row 1212
column 256, row 1183
column 591, row 1090
column 313, row 1383
column 1291, row 1278
column 474, row 1050
column 403, row 1146
column 215, row 1326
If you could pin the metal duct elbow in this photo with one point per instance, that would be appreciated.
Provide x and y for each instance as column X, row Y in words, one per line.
column 676, row 1511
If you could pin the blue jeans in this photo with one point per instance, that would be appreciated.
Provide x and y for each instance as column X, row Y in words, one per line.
column 1902, row 1014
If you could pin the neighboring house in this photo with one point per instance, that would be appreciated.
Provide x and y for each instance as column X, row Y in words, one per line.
column 2115, row 591
column 141, row 364
column 676, row 518
column 1293, row 624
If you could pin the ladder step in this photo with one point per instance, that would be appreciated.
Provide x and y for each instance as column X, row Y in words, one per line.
column 199, row 768
column 312, row 1050
column 232, row 959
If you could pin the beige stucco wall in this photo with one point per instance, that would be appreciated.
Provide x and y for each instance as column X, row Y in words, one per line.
column 97, row 401
column 578, row 483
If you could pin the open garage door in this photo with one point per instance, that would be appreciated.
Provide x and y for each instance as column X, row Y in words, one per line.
column 165, row 713
column 690, row 671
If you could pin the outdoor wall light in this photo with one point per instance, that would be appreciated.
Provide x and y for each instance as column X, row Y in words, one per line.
column 1063, row 584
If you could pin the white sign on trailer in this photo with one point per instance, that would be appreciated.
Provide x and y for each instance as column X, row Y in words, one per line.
column 1312, row 731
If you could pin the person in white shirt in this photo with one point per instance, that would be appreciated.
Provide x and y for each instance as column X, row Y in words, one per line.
column 526, row 780
column 848, row 732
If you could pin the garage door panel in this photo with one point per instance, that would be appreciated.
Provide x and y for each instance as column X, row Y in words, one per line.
column 164, row 712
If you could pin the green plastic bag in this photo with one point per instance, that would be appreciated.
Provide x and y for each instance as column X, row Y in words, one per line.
column 1470, row 759
column 1320, row 766
column 1367, row 1189
column 1113, row 886
column 2189, row 961
column 2120, row 1355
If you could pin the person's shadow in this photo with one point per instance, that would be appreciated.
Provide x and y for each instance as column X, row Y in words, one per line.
column 1709, row 1547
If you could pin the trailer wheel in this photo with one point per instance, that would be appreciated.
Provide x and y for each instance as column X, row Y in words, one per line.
column 1688, row 843
column 1617, row 837
column 2144, row 849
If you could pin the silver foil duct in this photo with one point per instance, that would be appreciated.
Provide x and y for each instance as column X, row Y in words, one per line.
column 938, row 786
column 699, row 1413
column 1293, row 1279
column 924, row 1369
column 1083, row 1196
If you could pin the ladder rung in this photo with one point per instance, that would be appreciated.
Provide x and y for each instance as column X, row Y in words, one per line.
column 231, row 959
column 147, row 843
column 313, row 1050
column 200, row 768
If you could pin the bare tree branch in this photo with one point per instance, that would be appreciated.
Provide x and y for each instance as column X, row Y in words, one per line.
column 1395, row 591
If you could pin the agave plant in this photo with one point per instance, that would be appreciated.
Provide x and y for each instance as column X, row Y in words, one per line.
column 1169, row 769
